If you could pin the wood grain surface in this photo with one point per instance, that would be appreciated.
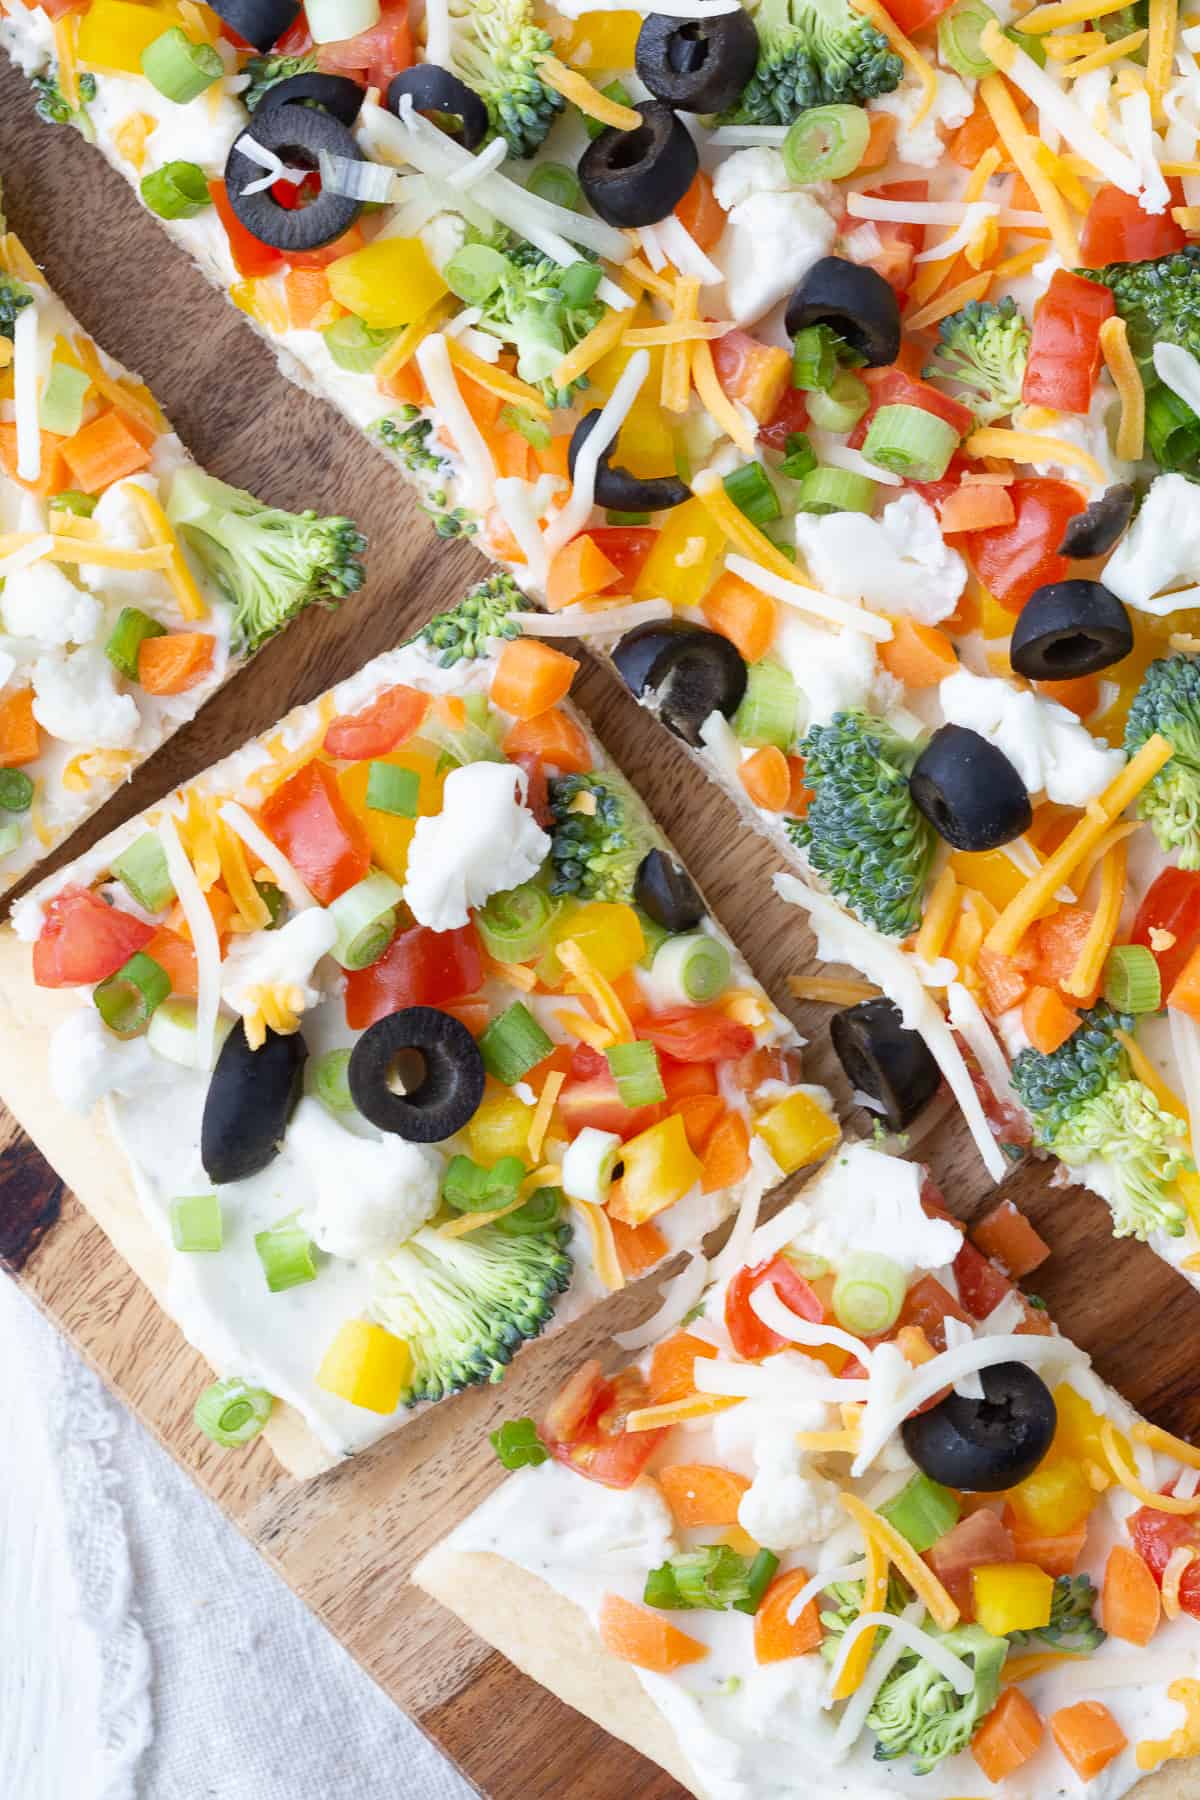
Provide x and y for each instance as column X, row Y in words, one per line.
column 347, row 1540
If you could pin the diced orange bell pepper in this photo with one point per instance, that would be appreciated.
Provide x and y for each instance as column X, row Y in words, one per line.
column 1080, row 695
column 743, row 614
column 308, row 296
column 1047, row 1019
column 531, row 677
column 918, row 655
column 646, row 1639
column 1005, row 983
column 766, row 778
column 20, row 741
column 555, row 737
column 1088, row 1736
column 1130, row 1603
column 776, row 1638
column 726, row 1154
column 879, row 142
column 103, row 451
column 672, row 1366
column 700, row 1494
column 699, row 1113
column 1009, row 1736
column 752, row 373
column 174, row 953
column 975, row 506
column 639, row 1247
column 577, row 571
column 1058, row 941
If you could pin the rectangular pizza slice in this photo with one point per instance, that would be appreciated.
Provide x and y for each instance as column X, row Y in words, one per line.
column 394, row 1039
column 872, row 1527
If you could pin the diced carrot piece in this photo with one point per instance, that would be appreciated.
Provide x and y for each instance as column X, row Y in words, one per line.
column 632, row 999
column 175, row 662
column 553, row 736
column 1009, row 1736
column 483, row 406
column 699, row 1113
column 577, row 571
column 682, row 1079
column 1057, row 942
column 511, row 454
column 879, row 142
column 104, row 451
column 700, row 213
column 531, row 677
column 176, row 955
column 497, row 538
column 671, row 1367
column 51, row 477
column 775, row 1639
column 552, row 458
column 1056, row 1553
column 726, row 1155
column 975, row 506
column 404, row 383
column 742, row 614
column 800, row 797
column 639, row 1247
column 1185, row 990
column 1004, row 982
column 753, row 373
column 1130, row 1602
column 767, row 778
column 702, row 1494
column 308, row 295
column 1080, row 695
column 20, row 741
column 918, row 655
column 1088, row 1736
column 973, row 138
column 1047, row 1019
column 644, row 1638
column 1007, row 1236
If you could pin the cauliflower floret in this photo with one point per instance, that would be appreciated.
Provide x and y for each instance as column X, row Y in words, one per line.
column 770, row 240
column 899, row 562
column 443, row 237
column 121, row 525
column 1047, row 745
column 76, row 700
column 41, row 603
column 760, row 170
column 370, row 1194
column 1160, row 550
column 834, row 670
column 484, row 839
column 921, row 144
column 787, row 1505
column 283, row 959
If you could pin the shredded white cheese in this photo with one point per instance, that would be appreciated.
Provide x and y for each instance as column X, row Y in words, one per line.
column 25, row 393
column 575, row 514
column 255, row 838
column 679, row 1295
column 822, row 606
column 205, row 942
column 433, row 360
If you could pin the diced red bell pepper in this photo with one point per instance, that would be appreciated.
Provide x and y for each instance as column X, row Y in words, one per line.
column 929, row 1304
column 251, row 257
column 913, row 15
column 85, row 940
column 626, row 547
column 749, row 1336
column 1156, row 1535
column 979, row 1539
column 1168, row 921
column 584, row 1426
column 1013, row 560
column 420, row 967
column 1118, row 229
column 1064, row 353
column 311, row 823
column 790, row 415
column 1006, row 1235
column 697, row 1034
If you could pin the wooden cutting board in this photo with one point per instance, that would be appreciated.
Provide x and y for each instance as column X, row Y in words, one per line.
column 347, row 1540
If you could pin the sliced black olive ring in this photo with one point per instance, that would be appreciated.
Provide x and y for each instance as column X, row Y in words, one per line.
column 433, row 89
column 417, row 1073
column 686, row 671
column 969, row 790
column 984, row 1446
column 667, row 892
column 617, row 489
column 853, row 300
column 1095, row 530
column 260, row 22
column 249, row 1101
column 638, row 177
column 885, row 1060
column 1070, row 628
column 335, row 94
column 297, row 135
column 697, row 65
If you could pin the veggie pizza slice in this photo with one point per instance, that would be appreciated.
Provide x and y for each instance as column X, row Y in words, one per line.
column 394, row 1039
column 132, row 584
column 858, row 1536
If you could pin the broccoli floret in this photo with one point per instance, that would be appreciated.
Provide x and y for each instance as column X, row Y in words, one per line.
column 863, row 832
column 1086, row 1105
column 14, row 295
column 465, row 1305
column 813, row 53
column 530, row 307
column 496, row 47
column 270, row 563
column 917, row 1712
column 599, row 837
column 1072, row 1629
column 406, row 434
column 1168, row 701
column 1160, row 304
column 462, row 634
column 53, row 106
column 265, row 71
column 984, row 347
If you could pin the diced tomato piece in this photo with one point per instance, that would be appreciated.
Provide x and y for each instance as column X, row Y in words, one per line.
column 981, row 1285
column 296, row 40
column 979, row 1539
column 311, row 823
column 697, row 1034
column 1008, row 1124
column 928, row 1304
column 374, row 56
column 1013, row 560
column 379, row 727
column 684, row 1080
column 892, row 387
column 584, row 1426
column 754, row 374
column 1007, row 1236
column 898, row 243
column 1064, row 352
column 1168, row 922
column 596, row 1102
column 1156, row 1535
column 350, row 240
column 913, row 15
column 1117, row 229
column 790, row 415
column 85, row 940
column 420, row 967
column 768, row 1063
column 537, row 789
column 251, row 257
column 749, row 1336
column 626, row 547
column 1057, row 1554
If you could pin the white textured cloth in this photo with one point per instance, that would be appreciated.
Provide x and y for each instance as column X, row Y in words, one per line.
column 146, row 1651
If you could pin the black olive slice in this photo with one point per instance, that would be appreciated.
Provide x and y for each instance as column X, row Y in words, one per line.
column 984, row 1446
column 433, row 89
column 259, row 22
column 1095, row 530
column 617, row 489
column 969, row 791
column 697, row 65
column 853, row 300
column 1069, row 628
column 684, row 670
column 335, row 94
column 667, row 892
column 885, row 1060
column 433, row 1058
column 638, row 177
column 297, row 134
column 250, row 1098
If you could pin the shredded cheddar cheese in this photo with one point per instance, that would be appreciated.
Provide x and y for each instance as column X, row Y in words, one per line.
column 586, row 1030
column 604, row 1247
column 544, row 1111
column 1160, row 50
column 1185, row 1741
column 828, row 1443
column 683, row 331
column 1181, row 1558
column 599, row 990
column 131, row 134
column 675, row 386
column 1024, row 1668
column 68, row 62
column 1133, row 1484
column 191, row 600
column 718, row 404
column 1155, row 1438
column 16, row 260
column 41, row 831
column 832, row 990
column 940, row 911
column 402, row 349
column 468, row 1222
column 496, row 380
column 130, row 397
column 1106, row 54
column 897, row 1550
column 1118, row 360
column 746, row 537
column 1065, row 12
column 874, row 1598
column 1063, row 177
column 90, row 766
column 1010, row 128
column 1085, row 976
column 678, row 1412
column 580, row 92
column 973, row 288
column 253, row 913
column 199, row 842
column 599, row 341
column 1030, row 447
column 654, row 281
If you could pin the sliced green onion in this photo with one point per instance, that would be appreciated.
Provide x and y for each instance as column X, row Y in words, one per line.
column 179, row 68
column 286, row 1254
column 826, row 490
column 579, row 281
column 196, row 1222
column 391, row 789
column 623, row 518
column 713, row 1577
column 539, row 1213
column 751, row 492
column 465, row 743
column 693, row 968
column 868, row 1293
column 910, row 442
column 534, row 431
column 767, row 713
column 16, row 790
column 72, row 501
column 801, row 458
column 660, row 1589
column 331, row 1081
column 1034, row 47
column 365, row 916
column 922, row 1512
column 475, row 272
column 171, row 1033
column 842, row 406
column 816, row 357
column 634, row 1068
column 231, row 1412
column 826, row 142
column 332, row 21
column 555, row 182
column 275, row 901
column 616, row 90
column 588, row 1165
column 127, row 1000
column 469, row 1186
column 355, row 346
column 513, row 1044
column 514, row 923
column 10, row 837
column 478, row 711
column 518, row 1445
column 130, row 632
column 142, row 871
column 1132, row 981
column 60, row 408
column 762, row 1574
column 959, row 32
column 179, row 190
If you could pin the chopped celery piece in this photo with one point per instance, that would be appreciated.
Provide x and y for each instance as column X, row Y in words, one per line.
column 142, row 871
column 171, row 1033
column 634, row 1068
column 286, row 1254
column 922, row 1512
column 61, row 406
column 513, row 1043
column 767, row 713
column 959, row 32
column 10, row 837
column 196, row 1222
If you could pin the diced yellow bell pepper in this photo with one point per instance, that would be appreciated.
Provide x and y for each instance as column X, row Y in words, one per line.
column 658, row 1169
column 114, row 33
column 500, row 1127
column 262, row 300
column 797, row 1131
column 645, row 445
column 1056, row 1498
column 684, row 557
column 1012, row 1597
column 1078, row 1435
column 388, row 283
column 608, row 370
column 600, row 40
column 995, row 621
column 367, row 1366
column 989, row 872
column 390, row 834
column 608, row 932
